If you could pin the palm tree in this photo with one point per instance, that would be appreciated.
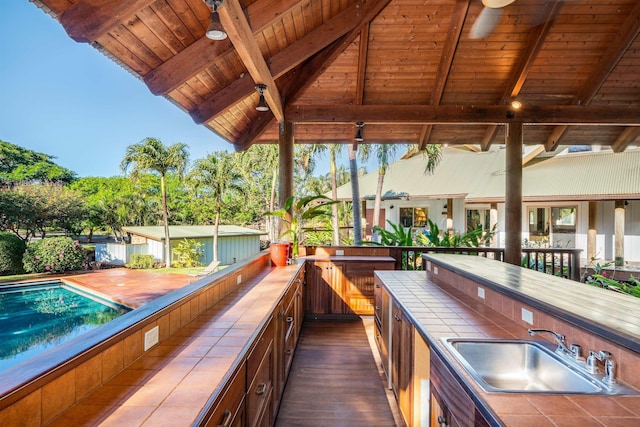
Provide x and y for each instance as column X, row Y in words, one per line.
column 217, row 174
column 151, row 155
column 355, row 188
column 261, row 162
column 384, row 153
column 334, row 152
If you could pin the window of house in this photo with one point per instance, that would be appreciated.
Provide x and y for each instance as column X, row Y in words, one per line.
column 414, row 217
column 478, row 218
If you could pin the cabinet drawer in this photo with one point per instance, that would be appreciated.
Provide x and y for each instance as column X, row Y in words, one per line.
column 259, row 350
column 230, row 410
column 259, row 391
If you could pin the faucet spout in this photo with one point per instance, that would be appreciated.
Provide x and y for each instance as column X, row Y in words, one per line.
column 558, row 338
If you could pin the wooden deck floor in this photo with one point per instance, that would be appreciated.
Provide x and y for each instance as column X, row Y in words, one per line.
column 334, row 379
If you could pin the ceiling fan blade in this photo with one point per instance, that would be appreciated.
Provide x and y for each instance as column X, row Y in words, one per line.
column 496, row 3
column 485, row 24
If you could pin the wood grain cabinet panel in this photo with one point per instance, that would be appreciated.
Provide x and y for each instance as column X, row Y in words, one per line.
column 230, row 409
column 402, row 361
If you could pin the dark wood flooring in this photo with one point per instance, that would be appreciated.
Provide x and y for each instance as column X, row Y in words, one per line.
column 334, row 379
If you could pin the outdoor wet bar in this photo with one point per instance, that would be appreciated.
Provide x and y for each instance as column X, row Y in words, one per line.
column 483, row 342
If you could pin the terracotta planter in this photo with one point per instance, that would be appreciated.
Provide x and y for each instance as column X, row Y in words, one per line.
column 279, row 254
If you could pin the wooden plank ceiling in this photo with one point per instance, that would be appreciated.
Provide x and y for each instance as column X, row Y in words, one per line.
column 408, row 69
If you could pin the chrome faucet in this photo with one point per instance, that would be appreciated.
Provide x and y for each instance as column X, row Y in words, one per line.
column 609, row 365
column 558, row 338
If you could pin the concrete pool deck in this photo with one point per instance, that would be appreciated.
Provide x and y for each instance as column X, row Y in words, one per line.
column 130, row 287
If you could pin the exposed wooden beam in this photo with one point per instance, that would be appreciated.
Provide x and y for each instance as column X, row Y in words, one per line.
column 628, row 136
column 617, row 48
column 536, row 40
column 446, row 59
column 204, row 52
column 237, row 28
column 459, row 114
column 313, row 68
column 532, row 154
column 87, row 20
column 280, row 63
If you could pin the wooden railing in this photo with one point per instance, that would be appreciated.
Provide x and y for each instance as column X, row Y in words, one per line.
column 559, row 262
column 556, row 261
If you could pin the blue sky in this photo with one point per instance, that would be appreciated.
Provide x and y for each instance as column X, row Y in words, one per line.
column 66, row 99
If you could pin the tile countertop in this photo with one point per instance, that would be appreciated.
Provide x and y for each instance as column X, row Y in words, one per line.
column 439, row 313
column 612, row 315
column 174, row 380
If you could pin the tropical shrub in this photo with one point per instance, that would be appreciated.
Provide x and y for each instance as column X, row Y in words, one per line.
column 11, row 252
column 55, row 255
column 139, row 261
column 187, row 253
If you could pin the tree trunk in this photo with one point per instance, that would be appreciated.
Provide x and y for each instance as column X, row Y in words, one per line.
column 334, row 195
column 165, row 220
column 376, row 205
column 355, row 197
column 216, row 226
column 272, row 207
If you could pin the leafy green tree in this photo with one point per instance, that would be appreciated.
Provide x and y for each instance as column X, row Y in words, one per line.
column 215, row 175
column 385, row 154
column 150, row 155
column 260, row 172
column 20, row 165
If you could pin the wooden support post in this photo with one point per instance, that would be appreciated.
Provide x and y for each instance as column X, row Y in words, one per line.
column 619, row 232
column 493, row 220
column 592, row 233
column 285, row 157
column 513, row 196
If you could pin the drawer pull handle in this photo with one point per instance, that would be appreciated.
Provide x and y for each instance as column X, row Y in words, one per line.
column 378, row 307
column 261, row 389
column 290, row 319
column 395, row 316
column 226, row 420
column 442, row 421
column 377, row 286
column 288, row 352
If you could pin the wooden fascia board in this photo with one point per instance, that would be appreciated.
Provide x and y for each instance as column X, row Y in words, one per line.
column 239, row 32
column 446, row 60
column 459, row 114
column 203, row 52
column 518, row 78
column 280, row 63
column 87, row 20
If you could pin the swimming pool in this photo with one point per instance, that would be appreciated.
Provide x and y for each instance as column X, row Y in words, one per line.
column 34, row 318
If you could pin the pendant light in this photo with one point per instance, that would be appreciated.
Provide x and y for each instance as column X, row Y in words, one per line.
column 262, row 104
column 215, row 30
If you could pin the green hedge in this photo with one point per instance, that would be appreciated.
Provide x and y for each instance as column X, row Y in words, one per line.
column 11, row 251
column 141, row 261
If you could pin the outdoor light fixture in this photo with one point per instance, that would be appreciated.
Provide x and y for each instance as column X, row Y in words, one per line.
column 262, row 104
column 516, row 105
column 359, row 137
column 215, row 30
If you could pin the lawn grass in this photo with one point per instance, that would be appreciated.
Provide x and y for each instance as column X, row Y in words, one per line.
column 17, row 277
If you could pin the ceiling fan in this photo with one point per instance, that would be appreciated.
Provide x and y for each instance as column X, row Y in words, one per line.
column 488, row 18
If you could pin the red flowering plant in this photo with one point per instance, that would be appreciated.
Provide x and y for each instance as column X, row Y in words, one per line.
column 55, row 255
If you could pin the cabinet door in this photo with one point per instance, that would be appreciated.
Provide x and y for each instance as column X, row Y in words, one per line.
column 359, row 284
column 402, row 361
column 325, row 288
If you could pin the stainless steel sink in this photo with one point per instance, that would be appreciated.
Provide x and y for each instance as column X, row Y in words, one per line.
column 525, row 366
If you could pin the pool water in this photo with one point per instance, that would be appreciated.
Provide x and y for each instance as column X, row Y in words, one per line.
column 34, row 318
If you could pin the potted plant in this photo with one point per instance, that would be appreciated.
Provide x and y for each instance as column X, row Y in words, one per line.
column 303, row 209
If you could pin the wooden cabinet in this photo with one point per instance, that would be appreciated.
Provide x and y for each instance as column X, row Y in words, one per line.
column 402, row 361
column 343, row 285
column 260, row 378
column 382, row 325
column 288, row 323
column 229, row 412
column 450, row 404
